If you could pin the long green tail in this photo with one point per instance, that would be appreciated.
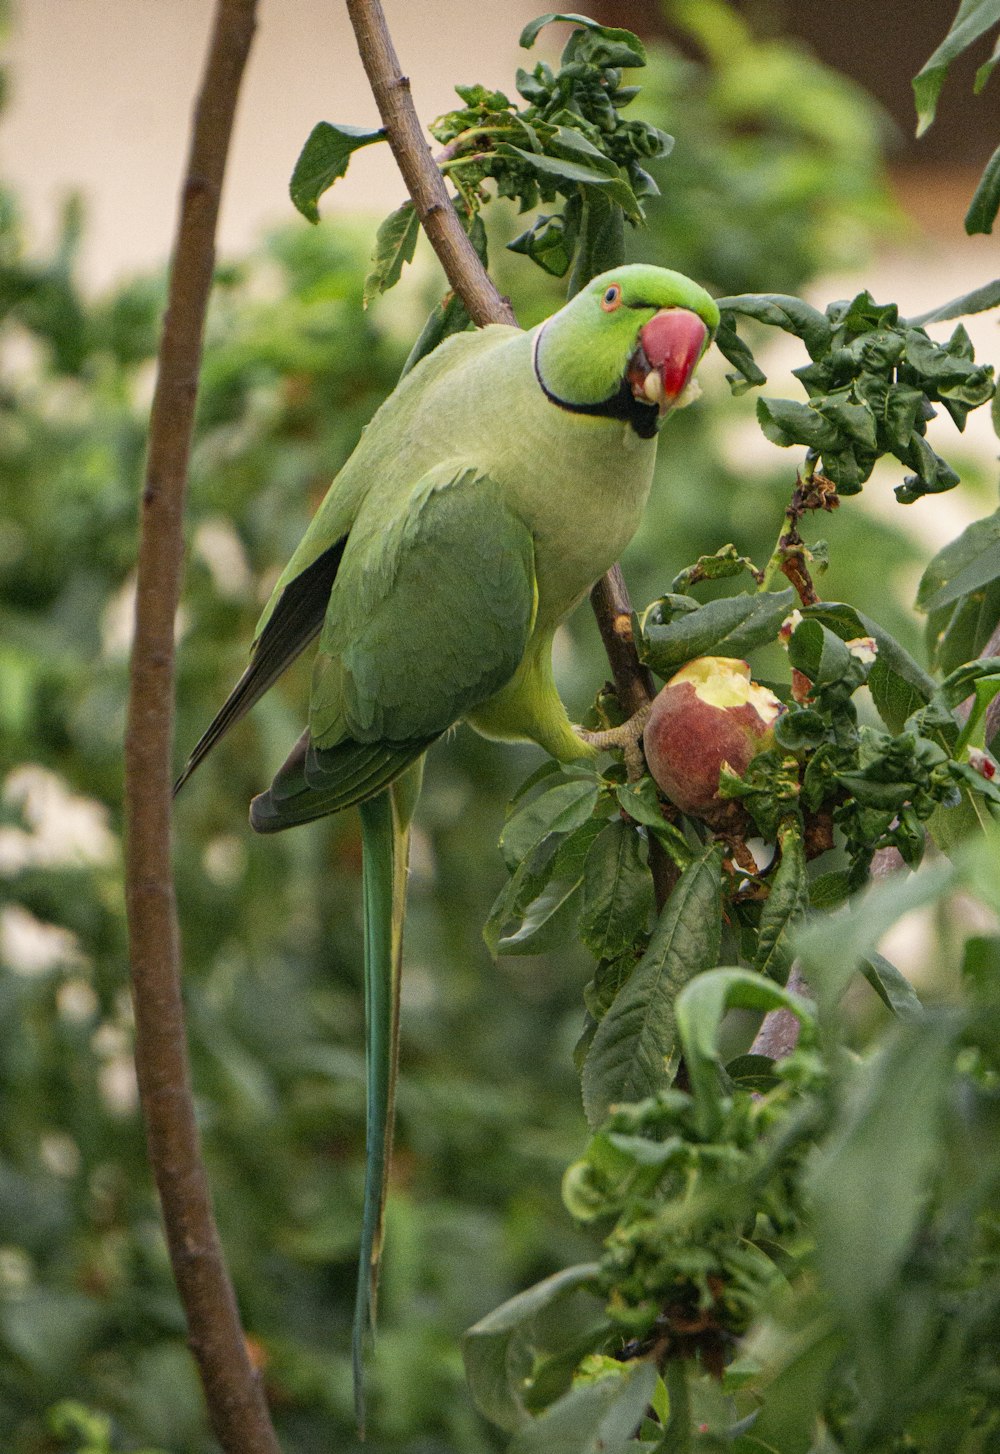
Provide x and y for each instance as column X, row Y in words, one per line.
column 385, row 839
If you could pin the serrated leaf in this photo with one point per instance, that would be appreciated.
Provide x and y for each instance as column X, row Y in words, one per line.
column 634, row 1052
column 731, row 626
column 973, row 19
column 395, row 242
column 323, row 159
column 966, row 564
column 784, row 908
column 986, row 199
column 496, row 1350
column 617, row 892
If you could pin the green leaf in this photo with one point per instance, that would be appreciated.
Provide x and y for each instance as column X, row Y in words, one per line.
column 497, row 1349
column 892, row 988
column 604, row 174
column 394, row 245
column 784, row 907
column 731, row 626
column 968, row 563
column 748, row 375
column 600, row 243
column 726, row 562
column 870, row 1181
column 634, row 1052
column 559, row 809
column 818, row 653
column 617, row 892
column 831, row 947
column 597, row 1417
column 323, row 159
column 642, row 802
column 699, row 1009
column 787, row 422
column 829, row 890
column 985, row 204
column 898, row 683
column 780, row 310
column 977, row 301
column 450, row 315
column 548, row 920
column 613, row 34
column 973, row 19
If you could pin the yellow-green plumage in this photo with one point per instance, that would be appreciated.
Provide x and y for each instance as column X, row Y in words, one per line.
column 504, row 475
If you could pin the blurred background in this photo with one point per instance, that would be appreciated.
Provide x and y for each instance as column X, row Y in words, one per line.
column 787, row 176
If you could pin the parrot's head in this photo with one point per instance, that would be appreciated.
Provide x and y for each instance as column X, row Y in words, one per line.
column 626, row 347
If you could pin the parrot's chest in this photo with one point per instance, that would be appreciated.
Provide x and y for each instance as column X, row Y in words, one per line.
column 582, row 485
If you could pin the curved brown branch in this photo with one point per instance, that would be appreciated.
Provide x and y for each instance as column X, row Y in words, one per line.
column 235, row 1401
column 424, row 182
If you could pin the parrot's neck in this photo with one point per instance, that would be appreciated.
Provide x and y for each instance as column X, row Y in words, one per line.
column 643, row 417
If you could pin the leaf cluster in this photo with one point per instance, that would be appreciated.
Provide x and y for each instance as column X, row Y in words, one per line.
column 872, row 384
column 777, row 1234
column 569, row 142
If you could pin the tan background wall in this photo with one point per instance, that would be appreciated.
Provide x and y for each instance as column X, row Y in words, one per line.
column 101, row 95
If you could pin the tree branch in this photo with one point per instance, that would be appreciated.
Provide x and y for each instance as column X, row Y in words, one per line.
column 424, row 182
column 235, row 1400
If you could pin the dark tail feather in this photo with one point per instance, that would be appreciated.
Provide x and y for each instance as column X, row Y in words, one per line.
column 295, row 621
column 312, row 783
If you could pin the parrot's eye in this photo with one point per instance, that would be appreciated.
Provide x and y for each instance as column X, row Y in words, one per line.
column 612, row 297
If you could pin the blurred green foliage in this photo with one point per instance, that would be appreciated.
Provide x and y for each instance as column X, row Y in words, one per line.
column 489, row 1114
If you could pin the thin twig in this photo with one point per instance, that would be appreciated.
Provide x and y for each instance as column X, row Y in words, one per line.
column 236, row 1406
column 634, row 689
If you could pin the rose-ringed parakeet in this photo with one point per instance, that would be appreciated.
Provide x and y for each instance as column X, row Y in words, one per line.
column 503, row 476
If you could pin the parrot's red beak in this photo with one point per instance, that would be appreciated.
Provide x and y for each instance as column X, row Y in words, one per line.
column 669, row 348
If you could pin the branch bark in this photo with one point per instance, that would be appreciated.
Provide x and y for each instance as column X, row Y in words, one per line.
column 234, row 1397
column 424, row 182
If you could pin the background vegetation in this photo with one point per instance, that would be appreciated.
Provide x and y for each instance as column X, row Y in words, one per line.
column 761, row 191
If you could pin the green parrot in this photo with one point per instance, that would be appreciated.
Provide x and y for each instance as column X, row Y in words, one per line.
column 503, row 476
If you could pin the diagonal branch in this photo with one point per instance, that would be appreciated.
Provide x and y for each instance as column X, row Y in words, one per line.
column 424, row 182
column 235, row 1401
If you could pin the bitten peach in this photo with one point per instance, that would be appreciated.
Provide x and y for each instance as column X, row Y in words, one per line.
column 708, row 715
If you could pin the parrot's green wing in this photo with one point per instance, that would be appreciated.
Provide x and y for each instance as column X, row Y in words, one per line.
column 428, row 617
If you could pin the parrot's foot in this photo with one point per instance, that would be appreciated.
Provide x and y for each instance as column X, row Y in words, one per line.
column 626, row 738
